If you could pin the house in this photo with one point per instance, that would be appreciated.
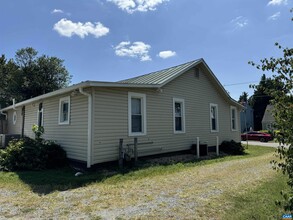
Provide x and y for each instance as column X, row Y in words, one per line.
column 170, row 108
column 246, row 118
column 268, row 119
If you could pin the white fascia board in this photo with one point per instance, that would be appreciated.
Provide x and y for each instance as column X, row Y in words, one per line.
column 47, row 95
column 81, row 85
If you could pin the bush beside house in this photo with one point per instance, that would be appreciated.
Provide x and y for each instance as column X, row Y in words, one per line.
column 32, row 154
column 232, row 147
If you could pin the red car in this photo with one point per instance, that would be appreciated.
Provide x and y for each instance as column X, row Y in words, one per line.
column 256, row 136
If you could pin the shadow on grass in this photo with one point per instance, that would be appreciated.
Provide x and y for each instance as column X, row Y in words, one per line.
column 48, row 181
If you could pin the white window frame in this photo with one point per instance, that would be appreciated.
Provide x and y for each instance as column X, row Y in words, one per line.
column 38, row 112
column 61, row 101
column 217, row 117
column 14, row 118
column 182, row 102
column 233, row 108
column 143, row 109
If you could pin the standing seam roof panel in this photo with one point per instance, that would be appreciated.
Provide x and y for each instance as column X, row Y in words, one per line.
column 159, row 77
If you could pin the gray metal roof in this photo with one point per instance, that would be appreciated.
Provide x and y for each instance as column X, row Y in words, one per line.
column 162, row 76
column 152, row 80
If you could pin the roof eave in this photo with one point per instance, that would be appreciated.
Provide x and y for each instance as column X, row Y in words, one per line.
column 47, row 95
column 124, row 85
column 77, row 86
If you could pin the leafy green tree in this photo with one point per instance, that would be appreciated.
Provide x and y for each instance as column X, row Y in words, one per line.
column 243, row 97
column 10, row 77
column 282, row 99
column 29, row 75
column 260, row 99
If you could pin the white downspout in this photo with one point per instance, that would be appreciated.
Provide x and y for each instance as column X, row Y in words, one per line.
column 5, row 114
column 89, row 131
column 13, row 104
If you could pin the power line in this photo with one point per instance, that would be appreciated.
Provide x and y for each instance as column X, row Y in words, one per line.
column 243, row 83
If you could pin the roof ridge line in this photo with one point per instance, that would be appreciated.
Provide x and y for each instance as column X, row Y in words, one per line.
column 159, row 70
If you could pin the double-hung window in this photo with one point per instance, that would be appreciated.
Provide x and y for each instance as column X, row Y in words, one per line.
column 64, row 110
column 136, row 114
column 214, row 117
column 179, row 115
column 233, row 118
column 40, row 115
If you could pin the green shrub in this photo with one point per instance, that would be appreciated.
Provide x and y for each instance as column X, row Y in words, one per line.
column 30, row 154
column 55, row 155
column 232, row 147
column 23, row 154
column 38, row 131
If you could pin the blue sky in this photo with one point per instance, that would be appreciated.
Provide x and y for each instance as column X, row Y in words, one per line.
column 110, row 40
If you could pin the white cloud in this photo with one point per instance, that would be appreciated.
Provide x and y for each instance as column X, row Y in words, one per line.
column 278, row 2
column 59, row 11
column 239, row 22
column 274, row 16
column 136, row 49
column 167, row 54
column 131, row 6
column 67, row 28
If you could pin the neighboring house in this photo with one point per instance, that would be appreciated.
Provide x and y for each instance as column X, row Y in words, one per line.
column 268, row 119
column 169, row 108
column 246, row 118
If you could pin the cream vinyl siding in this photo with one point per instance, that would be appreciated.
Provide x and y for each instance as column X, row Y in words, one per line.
column 31, row 118
column 14, row 128
column 110, row 122
column 111, row 117
column 72, row 137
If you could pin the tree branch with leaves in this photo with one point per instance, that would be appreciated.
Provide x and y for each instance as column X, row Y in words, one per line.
column 282, row 100
column 29, row 75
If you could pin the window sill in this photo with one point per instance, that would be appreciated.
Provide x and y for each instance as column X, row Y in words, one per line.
column 179, row 132
column 63, row 123
column 136, row 134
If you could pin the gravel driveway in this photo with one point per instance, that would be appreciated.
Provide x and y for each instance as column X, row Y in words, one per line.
column 264, row 144
column 188, row 194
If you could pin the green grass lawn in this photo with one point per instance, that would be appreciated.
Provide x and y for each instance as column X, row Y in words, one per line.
column 48, row 181
column 258, row 203
column 254, row 200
